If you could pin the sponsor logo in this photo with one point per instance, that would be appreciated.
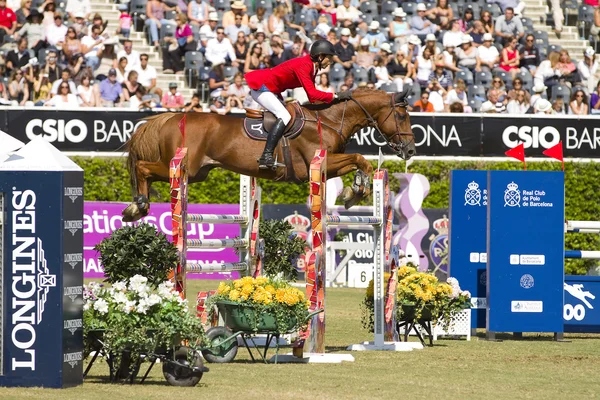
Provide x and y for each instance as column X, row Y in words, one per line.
column 512, row 197
column 478, row 302
column 72, row 292
column 73, row 324
column 531, row 136
column 76, row 130
column 473, row 195
column 527, row 306
column 31, row 279
column 73, row 226
column 527, row 259
column 73, row 193
column 73, row 259
column 526, row 281
column 73, row 358
column 438, row 248
column 577, row 311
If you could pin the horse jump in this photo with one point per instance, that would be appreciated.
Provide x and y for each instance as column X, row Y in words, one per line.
column 385, row 259
column 583, row 227
column 248, row 219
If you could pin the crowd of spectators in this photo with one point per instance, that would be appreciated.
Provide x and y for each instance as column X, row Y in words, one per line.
column 450, row 56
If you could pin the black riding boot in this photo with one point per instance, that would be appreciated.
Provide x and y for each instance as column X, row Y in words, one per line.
column 266, row 160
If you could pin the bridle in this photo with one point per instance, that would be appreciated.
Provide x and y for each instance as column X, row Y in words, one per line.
column 399, row 147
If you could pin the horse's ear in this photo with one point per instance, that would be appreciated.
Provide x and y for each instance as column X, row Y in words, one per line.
column 400, row 97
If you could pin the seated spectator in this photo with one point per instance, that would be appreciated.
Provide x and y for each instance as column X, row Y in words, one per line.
column 238, row 89
column 423, row 104
column 456, row 107
column 559, row 107
column 399, row 30
column 111, row 92
column 33, row 31
column 458, row 94
column 567, row 68
column 216, row 80
column 64, row 99
column 487, row 55
column 92, row 48
column 18, row 87
column 488, row 22
column 155, row 18
column 51, row 68
column 529, row 54
column 595, row 100
column 197, row 12
column 132, row 56
column 17, row 58
column 220, row 49
column 122, row 69
column 517, row 84
column 442, row 14
column 412, row 49
column 56, row 33
column 78, row 6
column 424, row 67
column 543, row 106
column 454, row 36
column 88, row 94
column 364, row 58
column 538, row 90
column 467, row 54
column 99, row 22
column 48, row 8
column 208, row 31
column 278, row 57
column 498, row 102
column 232, row 30
column 80, row 25
column 72, row 44
column 8, row 21
column 41, row 89
column 255, row 58
column 237, row 8
column 220, row 106
column 173, row 99
column 487, row 107
column 258, row 21
column 420, row 24
column 347, row 13
column 130, row 85
column 431, row 44
column 547, row 72
column 587, row 69
column 348, row 83
column 375, row 37
column 437, row 95
column 578, row 104
column 519, row 104
column 380, row 72
column 180, row 44
column 141, row 101
column 450, row 59
column 442, row 76
column 467, row 22
column 194, row 105
column 510, row 60
column 66, row 78
column 401, row 71
column 345, row 54
column 517, row 5
column 147, row 76
column 324, row 85
column 21, row 13
column 241, row 48
column 477, row 33
column 508, row 25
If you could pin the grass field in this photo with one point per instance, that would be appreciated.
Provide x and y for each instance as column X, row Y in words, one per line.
column 532, row 368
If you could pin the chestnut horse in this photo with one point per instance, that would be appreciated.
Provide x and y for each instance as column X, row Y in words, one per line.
column 220, row 141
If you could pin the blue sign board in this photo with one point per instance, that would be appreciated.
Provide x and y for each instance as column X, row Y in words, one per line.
column 581, row 311
column 525, row 265
column 41, row 276
column 467, row 247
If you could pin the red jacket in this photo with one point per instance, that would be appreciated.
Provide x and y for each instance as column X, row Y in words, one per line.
column 297, row 72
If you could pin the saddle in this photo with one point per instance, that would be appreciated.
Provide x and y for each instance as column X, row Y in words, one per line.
column 258, row 123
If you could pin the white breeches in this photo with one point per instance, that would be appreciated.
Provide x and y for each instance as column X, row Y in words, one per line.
column 270, row 102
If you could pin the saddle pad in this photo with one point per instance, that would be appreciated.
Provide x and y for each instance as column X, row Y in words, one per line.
column 255, row 130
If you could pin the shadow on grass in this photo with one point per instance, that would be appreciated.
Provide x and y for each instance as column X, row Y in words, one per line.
column 531, row 337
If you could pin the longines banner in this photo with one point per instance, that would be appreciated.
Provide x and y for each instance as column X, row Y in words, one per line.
column 435, row 134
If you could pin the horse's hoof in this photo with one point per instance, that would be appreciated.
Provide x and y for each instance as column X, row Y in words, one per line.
column 351, row 202
column 131, row 213
column 347, row 194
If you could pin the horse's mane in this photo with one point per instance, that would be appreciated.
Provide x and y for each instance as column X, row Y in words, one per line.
column 358, row 93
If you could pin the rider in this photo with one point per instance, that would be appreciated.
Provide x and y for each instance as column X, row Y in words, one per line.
column 267, row 84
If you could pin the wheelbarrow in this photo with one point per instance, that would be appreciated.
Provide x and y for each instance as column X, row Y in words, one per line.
column 240, row 321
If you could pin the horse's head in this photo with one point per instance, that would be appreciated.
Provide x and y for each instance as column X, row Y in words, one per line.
column 390, row 118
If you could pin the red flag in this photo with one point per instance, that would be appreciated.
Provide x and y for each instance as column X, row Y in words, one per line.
column 518, row 153
column 556, row 152
column 182, row 129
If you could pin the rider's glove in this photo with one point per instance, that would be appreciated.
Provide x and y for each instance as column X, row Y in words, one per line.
column 346, row 95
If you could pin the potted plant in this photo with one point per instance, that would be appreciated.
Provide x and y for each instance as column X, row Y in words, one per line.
column 131, row 318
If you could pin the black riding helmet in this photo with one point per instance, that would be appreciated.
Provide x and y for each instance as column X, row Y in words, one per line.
column 321, row 47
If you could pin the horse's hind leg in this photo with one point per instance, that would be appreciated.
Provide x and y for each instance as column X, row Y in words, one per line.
column 342, row 164
column 145, row 171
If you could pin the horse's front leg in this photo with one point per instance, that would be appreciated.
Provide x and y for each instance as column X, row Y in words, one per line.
column 145, row 171
column 342, row 164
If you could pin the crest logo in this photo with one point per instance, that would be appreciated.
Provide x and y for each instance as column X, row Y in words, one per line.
column 527, row 281
column 300, row 224
column 473, row 194
column 512, row 197
column 73, row 193
column 438, row 249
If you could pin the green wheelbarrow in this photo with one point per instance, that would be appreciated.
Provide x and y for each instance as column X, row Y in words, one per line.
column 240, row 321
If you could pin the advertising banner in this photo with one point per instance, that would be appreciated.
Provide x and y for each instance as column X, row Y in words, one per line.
column 580, row 137
column 468, row 254
column 102, row 218
column 525, row 265
column 581, row 311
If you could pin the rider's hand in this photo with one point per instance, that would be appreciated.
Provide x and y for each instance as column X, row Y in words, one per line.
column 346, row 95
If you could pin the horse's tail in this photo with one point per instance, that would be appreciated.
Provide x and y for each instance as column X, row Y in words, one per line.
column 144, row 145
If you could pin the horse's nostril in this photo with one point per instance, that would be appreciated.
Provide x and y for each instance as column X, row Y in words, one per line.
column 411, row 152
